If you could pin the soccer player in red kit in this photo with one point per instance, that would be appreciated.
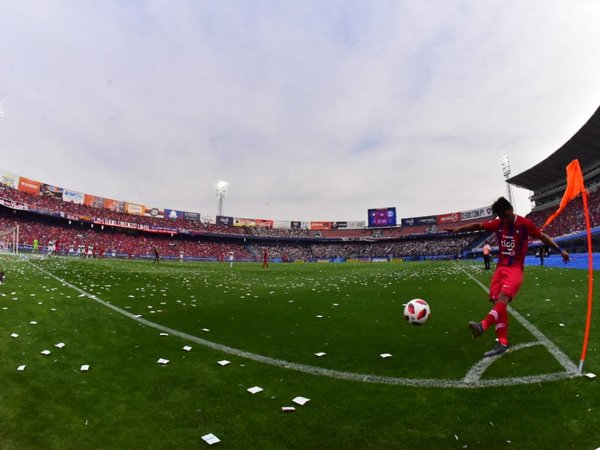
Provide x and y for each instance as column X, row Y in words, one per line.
column 512, row 232
column 265, row 259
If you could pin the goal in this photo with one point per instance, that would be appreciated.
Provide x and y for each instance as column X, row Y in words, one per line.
column 9, row 240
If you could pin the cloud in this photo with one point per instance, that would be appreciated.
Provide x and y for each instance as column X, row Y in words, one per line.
column 311, row 110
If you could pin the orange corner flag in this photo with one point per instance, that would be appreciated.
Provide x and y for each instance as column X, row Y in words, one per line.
column 575, row 187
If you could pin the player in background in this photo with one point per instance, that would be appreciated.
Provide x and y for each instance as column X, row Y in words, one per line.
column 265, row 259
column 230, row 259
column 156, row 256
column 487, row 250
column 512, row 232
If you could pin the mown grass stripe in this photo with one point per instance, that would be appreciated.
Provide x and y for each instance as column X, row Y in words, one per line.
column 313, row 370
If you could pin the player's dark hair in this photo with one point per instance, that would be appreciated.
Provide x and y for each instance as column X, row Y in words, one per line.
column 501, row 205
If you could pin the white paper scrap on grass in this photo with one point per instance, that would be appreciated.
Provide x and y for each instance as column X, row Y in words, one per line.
column 590, row 375
column 223, row 362
column 33, row 322
column 162, row 361
column 210, row 439
column 288, row 409
column 15, row 335
column 386, row 355
column 60, row 345
column 301, row 400
column 21, row 368
column 255, row 390
column 320, row 354
column 85, row 367
column 45, row 352
column 206, row 330
column 187, row 348
column 164, row 334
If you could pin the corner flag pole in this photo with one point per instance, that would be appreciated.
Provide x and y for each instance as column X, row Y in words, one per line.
column 588, row 322
column 576, row 186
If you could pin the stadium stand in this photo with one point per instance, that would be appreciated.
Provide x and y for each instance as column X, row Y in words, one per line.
column 75, row 227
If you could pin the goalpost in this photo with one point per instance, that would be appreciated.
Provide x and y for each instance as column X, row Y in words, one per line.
column 9, row 240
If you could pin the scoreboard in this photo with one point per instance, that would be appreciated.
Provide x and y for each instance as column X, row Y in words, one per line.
column 382, row 217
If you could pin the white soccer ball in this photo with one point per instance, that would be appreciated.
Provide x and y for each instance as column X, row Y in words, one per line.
column 417, row 311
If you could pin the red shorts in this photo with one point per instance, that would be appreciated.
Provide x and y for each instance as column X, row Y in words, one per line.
column 506, row 280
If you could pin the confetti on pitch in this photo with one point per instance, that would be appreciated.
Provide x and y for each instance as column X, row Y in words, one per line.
column 187, row 348
column 288, row 409
column 21, row 368
column 223, row 362
column 45, row 352
column 301, row 400
column 210, row 439
column 84, row 367
column 164, row 334
column 60, row 345
column 255, row 390
column 320, row 354
column 386, row 355
column 14, row 335
column 162, row 361
column 590, row 375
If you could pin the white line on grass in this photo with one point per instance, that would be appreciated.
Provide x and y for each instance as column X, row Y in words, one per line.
column 475, row 373
column 563, row 359
column 313, row 370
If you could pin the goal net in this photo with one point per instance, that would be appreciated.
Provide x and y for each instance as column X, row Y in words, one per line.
column 9, row 240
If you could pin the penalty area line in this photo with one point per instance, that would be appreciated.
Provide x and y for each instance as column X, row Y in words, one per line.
column 314, row 370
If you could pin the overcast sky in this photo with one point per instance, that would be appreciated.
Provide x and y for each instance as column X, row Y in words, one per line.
column 310, row 109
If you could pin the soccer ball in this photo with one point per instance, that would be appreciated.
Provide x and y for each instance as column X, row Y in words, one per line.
column 417, row 311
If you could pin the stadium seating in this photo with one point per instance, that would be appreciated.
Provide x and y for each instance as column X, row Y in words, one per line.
column 203, row 240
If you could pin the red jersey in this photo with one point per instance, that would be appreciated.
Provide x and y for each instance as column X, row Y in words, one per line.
column 513, row 239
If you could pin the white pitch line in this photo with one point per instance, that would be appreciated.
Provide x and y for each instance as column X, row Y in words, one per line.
column 313, row 370
column 563, row 359
column 475, row 373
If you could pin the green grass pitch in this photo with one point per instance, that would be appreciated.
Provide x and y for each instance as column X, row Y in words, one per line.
column 270, row 324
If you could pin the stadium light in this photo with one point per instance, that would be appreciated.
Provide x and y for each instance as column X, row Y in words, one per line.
column 505, row 164
column 221, row 191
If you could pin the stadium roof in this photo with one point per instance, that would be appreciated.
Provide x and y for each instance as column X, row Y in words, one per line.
column 584, row 145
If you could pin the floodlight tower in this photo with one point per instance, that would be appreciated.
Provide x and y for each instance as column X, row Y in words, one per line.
column 505, row 164
column 221, row 191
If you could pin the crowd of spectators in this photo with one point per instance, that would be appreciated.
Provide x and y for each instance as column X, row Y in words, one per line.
column 54, row 205
column 571, row 220
column 286, row 244
column 73, row 239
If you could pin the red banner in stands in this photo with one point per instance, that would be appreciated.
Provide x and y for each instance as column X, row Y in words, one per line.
column 264, row 223
column 29, row 186
column 449, row 218
column 321, row 225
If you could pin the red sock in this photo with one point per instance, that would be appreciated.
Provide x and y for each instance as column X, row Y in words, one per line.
column 494, row 315
column 502, row 328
